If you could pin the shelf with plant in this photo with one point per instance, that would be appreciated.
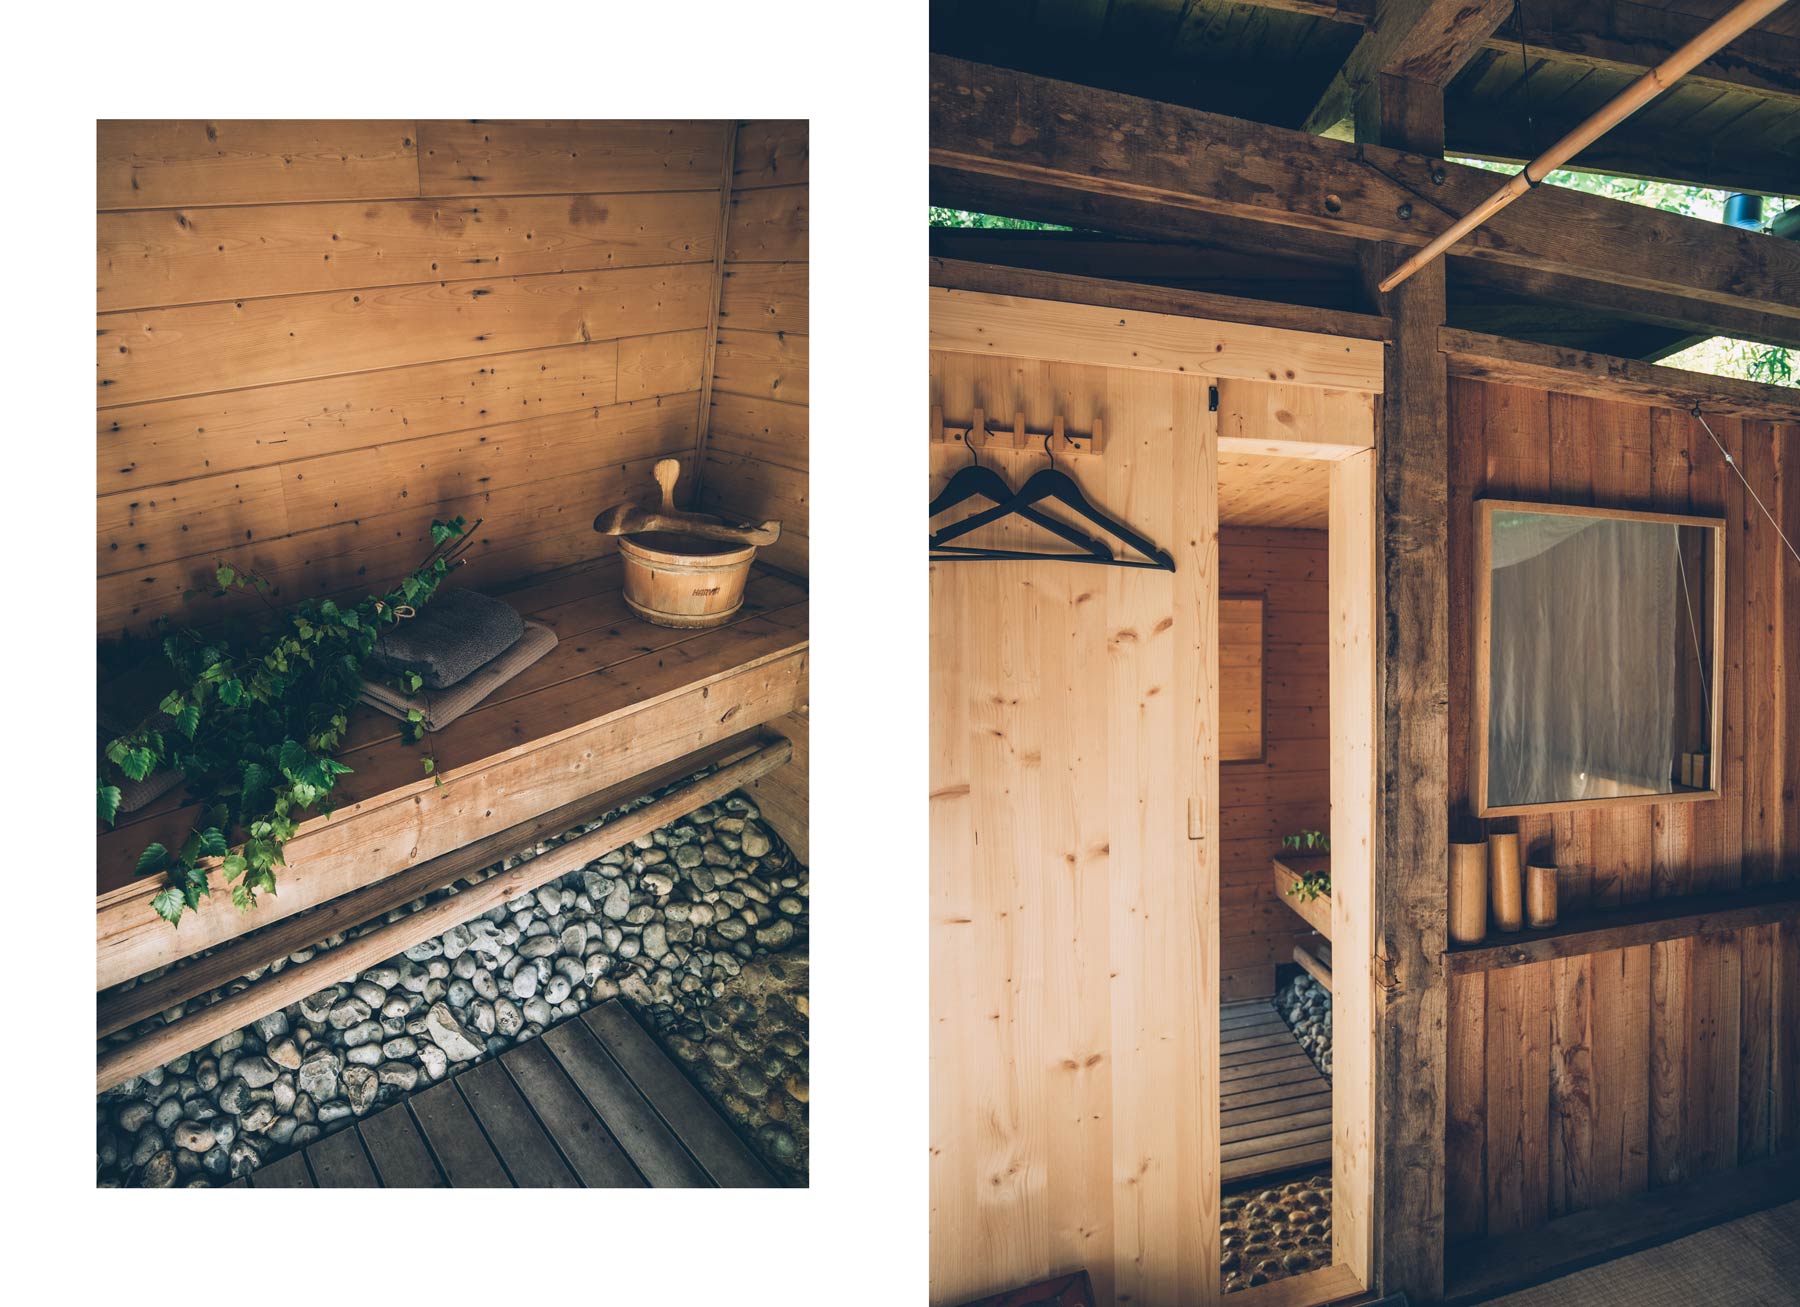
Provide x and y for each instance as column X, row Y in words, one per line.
column 256, row 713
column 1303, row 877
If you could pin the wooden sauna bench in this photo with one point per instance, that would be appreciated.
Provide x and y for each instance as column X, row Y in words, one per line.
column 616, row 699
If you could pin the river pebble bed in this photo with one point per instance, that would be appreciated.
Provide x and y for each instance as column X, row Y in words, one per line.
column 1271, row 1233
column 701, row 927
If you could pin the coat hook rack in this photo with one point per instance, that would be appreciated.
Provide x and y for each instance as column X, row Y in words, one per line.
column 978, row 435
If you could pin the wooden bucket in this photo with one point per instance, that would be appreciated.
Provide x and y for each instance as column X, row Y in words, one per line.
column 685, row 570
column 684, row 581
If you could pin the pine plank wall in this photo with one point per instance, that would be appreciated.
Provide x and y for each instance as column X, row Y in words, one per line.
column 1290, row 789
column 315, row 337
column 1575, row 1083
column 756, row 448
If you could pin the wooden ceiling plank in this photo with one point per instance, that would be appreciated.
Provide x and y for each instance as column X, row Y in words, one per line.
column 1046, row 142
column 1425, row 41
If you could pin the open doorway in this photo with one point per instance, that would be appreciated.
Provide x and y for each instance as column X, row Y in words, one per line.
column 1295, row 589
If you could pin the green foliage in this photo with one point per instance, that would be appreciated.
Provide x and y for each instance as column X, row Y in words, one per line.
column 941, row 217
column 1313, row 884
column 253, row 722
column 1307, row 841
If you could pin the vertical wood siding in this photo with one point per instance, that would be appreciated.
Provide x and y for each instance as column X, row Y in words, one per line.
column 1579, row 1082
column 315, row 337
column 756, row 446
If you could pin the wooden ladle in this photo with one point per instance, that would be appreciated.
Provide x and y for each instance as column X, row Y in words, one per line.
column 629, row 519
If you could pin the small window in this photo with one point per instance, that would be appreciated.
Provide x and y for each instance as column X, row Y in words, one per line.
column 1241, row 678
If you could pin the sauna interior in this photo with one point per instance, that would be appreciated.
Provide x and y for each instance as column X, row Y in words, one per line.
column 1562, row 801
column 494, row 938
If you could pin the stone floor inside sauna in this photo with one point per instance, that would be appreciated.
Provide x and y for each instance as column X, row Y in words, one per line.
column 1274, row 1227
column 701, row 927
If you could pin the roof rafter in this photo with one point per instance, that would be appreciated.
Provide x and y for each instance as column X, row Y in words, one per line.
column 1616, row 35
column 1426, row 41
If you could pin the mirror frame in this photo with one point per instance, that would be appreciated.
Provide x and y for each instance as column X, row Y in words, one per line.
column 1482, row 689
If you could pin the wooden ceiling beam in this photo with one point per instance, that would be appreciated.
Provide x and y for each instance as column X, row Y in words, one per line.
column 1548, row 367
column 1422, row 41
column 1034, row 144
column 1631, row 150
column 1614, row 35
column 1192, row 229
column 1657, row 308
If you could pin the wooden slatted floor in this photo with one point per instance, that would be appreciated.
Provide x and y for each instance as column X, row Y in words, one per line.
column 1275, row 1106
column 592, row 1103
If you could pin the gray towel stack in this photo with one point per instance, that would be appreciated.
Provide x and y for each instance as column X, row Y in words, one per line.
column 455, row 633
column 463, row 646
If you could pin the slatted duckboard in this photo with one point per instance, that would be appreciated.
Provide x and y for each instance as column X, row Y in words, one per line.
column 591, row 1103
column 1275, row 1106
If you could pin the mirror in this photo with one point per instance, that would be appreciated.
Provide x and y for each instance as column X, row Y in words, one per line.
column 1596, row 656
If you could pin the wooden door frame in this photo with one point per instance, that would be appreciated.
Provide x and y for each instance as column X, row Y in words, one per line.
column 1016, row 313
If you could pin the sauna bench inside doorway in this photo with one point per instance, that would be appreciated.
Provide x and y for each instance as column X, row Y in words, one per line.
column 619, row 705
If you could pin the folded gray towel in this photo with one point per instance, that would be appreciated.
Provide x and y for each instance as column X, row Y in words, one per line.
column 442, row 708
column 458, row 631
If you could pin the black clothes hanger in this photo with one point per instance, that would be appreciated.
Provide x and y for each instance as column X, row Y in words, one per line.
column 978, row 480
column 1047, row 484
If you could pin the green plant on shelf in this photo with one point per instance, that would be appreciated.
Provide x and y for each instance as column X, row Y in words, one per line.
column 1309, row 885
column 253, row 721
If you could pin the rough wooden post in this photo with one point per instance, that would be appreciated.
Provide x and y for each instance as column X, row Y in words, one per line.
column 1412, row 737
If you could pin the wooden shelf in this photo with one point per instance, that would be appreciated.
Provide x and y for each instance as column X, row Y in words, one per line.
column 1288, row 870
column 1627, row 927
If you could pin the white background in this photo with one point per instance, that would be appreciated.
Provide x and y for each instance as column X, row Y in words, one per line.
column 858, row 72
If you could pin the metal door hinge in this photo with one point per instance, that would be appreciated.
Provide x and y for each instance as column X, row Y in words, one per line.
column 1212, row 399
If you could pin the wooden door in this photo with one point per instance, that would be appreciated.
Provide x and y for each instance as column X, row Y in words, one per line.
column 1074, row 786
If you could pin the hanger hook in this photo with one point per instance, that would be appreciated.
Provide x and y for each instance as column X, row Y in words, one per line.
column 1048, row 453
column 974, row 454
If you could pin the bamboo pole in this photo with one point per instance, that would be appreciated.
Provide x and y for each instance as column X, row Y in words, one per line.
column 119, row 1062
column 1652, row 84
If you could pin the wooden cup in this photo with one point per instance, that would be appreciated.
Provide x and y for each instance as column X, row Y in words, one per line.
column 1506, row 890
column 1468, row 893
column 1540, row 896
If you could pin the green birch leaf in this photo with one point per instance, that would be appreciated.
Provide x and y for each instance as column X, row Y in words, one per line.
column 168, row 905
column 109, row 803
column 154, row 858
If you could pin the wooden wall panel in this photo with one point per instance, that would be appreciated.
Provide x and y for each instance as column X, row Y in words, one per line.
column 756, row 453
column 156, row 353
column 155, row 164
column 1601, row 1076
column 567, row 157
column 1290, row 789
column 315, row 337
column 1073, row 1109
column 176, row 256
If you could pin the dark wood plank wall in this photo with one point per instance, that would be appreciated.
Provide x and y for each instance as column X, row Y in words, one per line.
column 315, row 337
column 1290, row 789
column 1579, row 1082
column 756, row 447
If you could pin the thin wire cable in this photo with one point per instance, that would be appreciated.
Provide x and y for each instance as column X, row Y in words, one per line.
column 1524, row 74
column 1693, row 627
column 1732, row 464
